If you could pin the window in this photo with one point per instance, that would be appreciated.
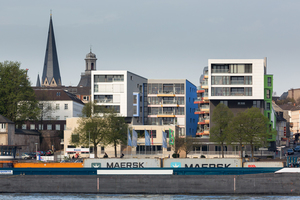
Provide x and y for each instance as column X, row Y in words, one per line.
column 66, row 106
column 134, row 99
column 40, row 127
column 86, row 98
column 241, row 103
column 269, row 116
column 131, row 78
column 57, row 106
column 269, row 82
column 32, row 126
column 49, row 126
column 248, row 80
column 268, row 94
column 65, row 117
column 108, row 78
column 57, row 117
column 267, row 106
column 256, row 104
column 57, row 127
column 3, row 126
column 103, row 98
column 64, row 127
column 57, row 93
column 95, row 88
column 224, row 102
column 23, row 126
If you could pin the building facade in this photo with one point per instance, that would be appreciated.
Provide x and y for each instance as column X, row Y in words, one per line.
column 203, row 106
column 123, row 91
column 242, row 84
column 171, row 101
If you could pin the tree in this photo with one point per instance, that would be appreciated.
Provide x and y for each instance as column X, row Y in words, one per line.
column 117, row 130
column 187, row 145
column 237, row 133
column 17, row 98
column 91, row 129
column 250, row 127
column 177, row 147
column 221, row 117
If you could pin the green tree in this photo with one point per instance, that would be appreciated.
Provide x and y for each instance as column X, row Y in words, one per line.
column 91, row 129
column 250, row 127
column 187, row 145
column 221, row 117
column 17, row 98
column 117, row 130
column 236, row 129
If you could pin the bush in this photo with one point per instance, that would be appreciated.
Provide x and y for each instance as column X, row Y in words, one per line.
column 175, row 155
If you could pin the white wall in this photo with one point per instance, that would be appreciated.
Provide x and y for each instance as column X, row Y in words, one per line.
column 257, row 77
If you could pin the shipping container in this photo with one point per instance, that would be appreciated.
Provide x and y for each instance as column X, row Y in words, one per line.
column 201, row 162
column 263, row 164
column 121, row 163
column 48, row 165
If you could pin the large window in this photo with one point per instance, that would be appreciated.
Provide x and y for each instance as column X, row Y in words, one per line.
column 237, row 80
column 268, row 94
column 269, row 82
column 116, row 108
column 219, row 68
column 159, row 88
column 103, row 98
column 219, row 91
column 256, row 104
column 108, row 78
column 220, row 80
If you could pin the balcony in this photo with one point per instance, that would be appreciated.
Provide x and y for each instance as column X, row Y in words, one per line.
column 166, row 114
column 204, row 84
column 103, row 100
column 170, row 102
column 203, row 120
column 204, row 108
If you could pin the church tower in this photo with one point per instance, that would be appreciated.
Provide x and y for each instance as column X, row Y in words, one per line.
column 90, row 62
column 51, row 73
column 90, row 65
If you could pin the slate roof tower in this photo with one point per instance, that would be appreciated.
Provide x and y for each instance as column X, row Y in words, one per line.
column 51, row 73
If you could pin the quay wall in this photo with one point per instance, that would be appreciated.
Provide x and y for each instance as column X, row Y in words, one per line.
column 269, row 183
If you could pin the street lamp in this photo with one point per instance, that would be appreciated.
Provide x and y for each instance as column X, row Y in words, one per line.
column 36, row 150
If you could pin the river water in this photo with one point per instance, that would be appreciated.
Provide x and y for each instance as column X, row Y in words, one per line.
column 64, row 196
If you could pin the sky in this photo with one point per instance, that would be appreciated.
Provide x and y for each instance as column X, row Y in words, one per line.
column 156, row 39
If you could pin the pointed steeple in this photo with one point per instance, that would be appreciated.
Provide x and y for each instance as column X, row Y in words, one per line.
column 38, row 83
column 51, row 73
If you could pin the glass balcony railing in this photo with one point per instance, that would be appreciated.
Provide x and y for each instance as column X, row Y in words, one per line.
column 169, row 102
column 198, row 110
column 166, row 113
column 205, row 94
column 103, row 100
column 154, row 102
column 204, row 107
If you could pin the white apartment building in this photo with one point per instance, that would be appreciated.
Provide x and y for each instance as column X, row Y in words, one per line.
column 122, row 90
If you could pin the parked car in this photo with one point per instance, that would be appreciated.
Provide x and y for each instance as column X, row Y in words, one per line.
column 297, row 149
column 49, row 153
column 26, row 156
column 290, row 151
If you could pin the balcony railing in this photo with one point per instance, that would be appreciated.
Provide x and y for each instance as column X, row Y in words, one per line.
column 220, row 71
column 170, row 102
column 103, row 100
column 118, row 79
column 204, row 107
column 166, row 113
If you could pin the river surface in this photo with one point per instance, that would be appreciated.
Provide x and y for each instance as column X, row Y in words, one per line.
column 65, row 196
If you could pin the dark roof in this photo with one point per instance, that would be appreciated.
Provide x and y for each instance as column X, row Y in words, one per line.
column 27, row 132
column 286, row 106
column 54, row 94
column 5, row 120
column 51, row 67
column 85, row 81
column 283, row 96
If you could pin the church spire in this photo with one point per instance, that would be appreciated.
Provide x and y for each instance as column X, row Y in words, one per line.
column 51, row 73
column 38, row 83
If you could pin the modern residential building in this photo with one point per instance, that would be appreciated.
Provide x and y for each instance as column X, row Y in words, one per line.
column 242, row 84
column 171, row 101
column 203, row 106
column 122, row 90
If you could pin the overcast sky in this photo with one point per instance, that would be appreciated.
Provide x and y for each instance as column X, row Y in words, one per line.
column 156, row 39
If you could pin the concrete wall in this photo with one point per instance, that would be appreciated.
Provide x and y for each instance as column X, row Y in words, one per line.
column 275, row 184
